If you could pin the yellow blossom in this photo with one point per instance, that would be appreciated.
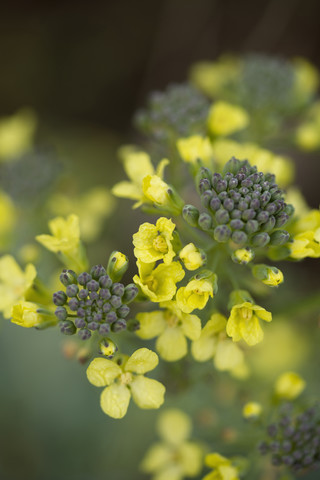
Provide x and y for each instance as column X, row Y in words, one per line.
column 270, row 276
column 289, row 385
column 195, row 148
column 252, row 410
column 175, row 456
column 154, row 242
column 159, row 284
column 306, row 79
column 192, row 257
column 195, row 294
column 171, row 326
column 225, row 119
column 65, row 241
column 222, row 468
column 29, row 314
column 243, row 255
column 306, row 236
column 308, row 133
column 243, row 322
column 137, row 165
column 126, row 380
column 16, row 133
column 8, row 217
column 15, row 284
column 118, row 264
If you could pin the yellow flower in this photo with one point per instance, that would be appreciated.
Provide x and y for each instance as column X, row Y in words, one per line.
column 171, row 326
column 306, row 79
column 252, row 410
column 196, row 294
column 118, row 264
column 213, row 343
column 154, row 242
column 270, row 276
column 65, row 241
column 243, row 255
column 15, row 284
column 160, row 194
column 126, row 380
column 159, row 284
column 244, row 319
column 289, row 385
column 195, row 148
column 174, row 457
column 306, row 239
column 192, row 257
column 222, row 468
column 29, row 314
column 137, row 165
column 16, row 133
column 308, row 133
column 225, row 118
column 8, row 217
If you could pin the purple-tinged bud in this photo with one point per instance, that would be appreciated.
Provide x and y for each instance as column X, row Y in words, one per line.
column 83, row 293
column 243, row 205
column 81, row 312
column 111, row 317
column 228, row 204
column 215, row 178
column 222, row 233
column 204, row 185
column 260, row 240
column 279, row 237
column 93, row 286
column 206, row 197
column 262, row 216
column 236, row 224
column 119, row 325
column 255, row 204
column 233, row 183
column 104, row 293
column 84, row 334
column 73, row 304
column 59, row 298
column 61, row 313
column 117, row 289
column 223, row 196
column 222, row 216
column 282, row 219
column 252, row 226
column 215, row 204
column 97, row 316
column 97, row 271
column 84, row 278
column 130, row 293
column 248, row 214
column 68, row 277
column 236, row 213
column 221, row 186
column 93, row 325
column 190, row 215
column 80, row 322
column 106, row 308
column 239, row 237
column 115, row 301
column 67, row 327
column 269, row 225
column 105, row 281
column 272, row 208
column 104, row 329
column 94, row 295
column 123, row 311
column 72, row 290
column 205, row 221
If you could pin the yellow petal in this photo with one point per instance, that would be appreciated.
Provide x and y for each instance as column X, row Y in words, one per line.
column 147, row 393
column 190, row 458
column 228, row 355
column 141, row 361
column 127, row 190
column 115, row 400
column 152, row 324
column 251, row 331
column 191, row 326
column 156, row 457
column 172, row 344
column 102, row 372
column 174, row 426
column 204, row 348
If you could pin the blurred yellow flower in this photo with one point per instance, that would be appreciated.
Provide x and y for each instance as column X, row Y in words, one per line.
column 8, row 218
column 126, row 380
column 222, row 468
column 306, row 79
column 252, row 410
column 289, row 385
column 174, row 457
column 29, row 314
column 195, row 294
column 159, row 284
column 308, row 133
column 195, row 148
column 154, row 242
column 15, row 284
column 192, row 257
column 16, row 133
column 225, row 119
column 171, row 326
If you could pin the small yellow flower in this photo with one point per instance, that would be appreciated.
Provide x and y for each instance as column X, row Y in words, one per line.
column 137, row 165
column 306, row 236
column 222, row 468
column 306, row 79
column 15, row 284
column 175, row 456
column 243, row 255
column 225, row 118
column 308, row 136
column 8, row 218
column 289, row 385
column 16, row 134
column 154, row 242
column 118, row 264
column 65, row 241
column 126, row 380
column 171, row 326
column 195, row 148
column 252, row 410
column 29, row 314
column 192, row 257
column 195, row 294
column 243, row 322
column 270, row 276
column 159, row 284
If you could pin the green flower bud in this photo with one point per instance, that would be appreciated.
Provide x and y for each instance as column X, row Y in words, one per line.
column 279, row 237
column 205, row 221
column 191, row 215
column 117, row 265
column 271, row 276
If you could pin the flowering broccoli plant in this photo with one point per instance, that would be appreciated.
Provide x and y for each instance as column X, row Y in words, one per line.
column 223, row 214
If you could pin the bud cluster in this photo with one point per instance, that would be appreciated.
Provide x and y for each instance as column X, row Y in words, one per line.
column 178, row 111
column 294, row 440
column 244, row 205
column 92, row 302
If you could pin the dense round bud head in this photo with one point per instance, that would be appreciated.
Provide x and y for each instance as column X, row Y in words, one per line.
column 67, row 327
column 222, row 233
column 248, row 214
column 236, row 213
column 262, row 216
column 72, row 290
column 68, row 277
column 104, row 293
column 84, row 334
column 104, row 329
column 105, row 281
column 97, row 271
column 93, row 325
column 93, row 286
column 204, row 185
column 73, row 304
column 130, row 293
column 117, row 289
column 279, row 237
column 123, row 311
column 119, row 325
column 236, row 224
column 268, row 226
column 239, row 237
column 260, row 240
column 106, row 308
column 59, row 298
column 205, row 221
column 228, row 204
column 84, row 278
column 94, row 295
column 215, row 204
column 190, row 215
column 222, row 216
column 80, row 322
column 81, row 312
column 111, row 317
column 61, row 313
column 221, row 186
column 282, row 219
column 252, row 226
column 83, row 293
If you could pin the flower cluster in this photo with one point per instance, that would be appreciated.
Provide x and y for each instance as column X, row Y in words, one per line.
column 92, row 302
